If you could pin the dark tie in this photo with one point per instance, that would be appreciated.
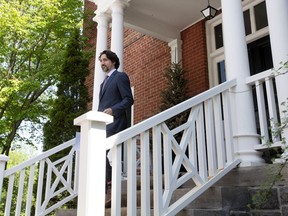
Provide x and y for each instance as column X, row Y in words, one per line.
column 105, row 81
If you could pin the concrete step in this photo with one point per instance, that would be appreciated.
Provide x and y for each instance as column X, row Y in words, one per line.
column 230, row 196
column 66, row 212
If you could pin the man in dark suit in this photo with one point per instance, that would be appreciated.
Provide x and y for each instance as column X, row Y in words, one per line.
column 115, row 97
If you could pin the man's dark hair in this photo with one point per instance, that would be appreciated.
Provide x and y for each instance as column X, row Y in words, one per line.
column 111, row 56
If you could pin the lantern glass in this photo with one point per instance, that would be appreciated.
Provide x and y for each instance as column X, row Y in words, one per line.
column 209, row 12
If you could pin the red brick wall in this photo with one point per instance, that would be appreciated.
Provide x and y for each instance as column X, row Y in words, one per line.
column 194, row 55
column 145, row 59
column 90, row 31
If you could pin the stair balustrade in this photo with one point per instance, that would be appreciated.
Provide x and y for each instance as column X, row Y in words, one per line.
column 268, row 110
column 200, row 149
column 203, row 151
column 32, row 187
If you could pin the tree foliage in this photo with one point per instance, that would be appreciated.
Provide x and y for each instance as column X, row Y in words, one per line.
column 70, row 102
column 174, row 93
column 15, row 158
column 72, row 94
column 32, row 39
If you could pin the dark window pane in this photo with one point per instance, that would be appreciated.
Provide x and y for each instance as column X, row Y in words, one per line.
column 260, row 15
column 260, row 55
column 221, row 72
column 218, row 36
column 247, row 22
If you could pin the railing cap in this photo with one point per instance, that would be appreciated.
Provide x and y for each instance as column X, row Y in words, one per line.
column 94, row 116
column 4, row 158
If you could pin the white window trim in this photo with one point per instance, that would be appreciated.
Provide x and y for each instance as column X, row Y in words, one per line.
column 213, row 55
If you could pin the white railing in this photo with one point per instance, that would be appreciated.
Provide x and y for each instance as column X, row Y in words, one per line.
column 267, row 105
column 204, row 147
column 199, row 150
column 32, row 187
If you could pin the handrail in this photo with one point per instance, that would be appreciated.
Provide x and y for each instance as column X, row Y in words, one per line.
column 267, row 109
column 260, row 76
column 207, row 136
column 51, row 177
column 39, row 157
column 163, row 116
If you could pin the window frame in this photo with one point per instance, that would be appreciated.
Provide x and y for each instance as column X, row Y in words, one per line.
column 216, row 55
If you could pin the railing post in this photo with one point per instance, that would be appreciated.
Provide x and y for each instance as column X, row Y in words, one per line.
column 91, row 194
column 3, row 161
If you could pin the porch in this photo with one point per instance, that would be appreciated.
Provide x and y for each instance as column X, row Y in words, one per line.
column 204, row 154
column 226, row 127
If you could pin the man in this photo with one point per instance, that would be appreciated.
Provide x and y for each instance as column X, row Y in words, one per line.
column 115, row 98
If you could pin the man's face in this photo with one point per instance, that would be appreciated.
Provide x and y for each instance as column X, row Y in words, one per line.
column 106, row 64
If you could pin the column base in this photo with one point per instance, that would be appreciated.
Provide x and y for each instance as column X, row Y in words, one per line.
column 244, row 150
column 250, row 158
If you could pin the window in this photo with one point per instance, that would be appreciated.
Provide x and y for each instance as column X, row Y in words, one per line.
column 259, row 20
column 260, row 16
column 257, row 36
column 221, row 71
column 247, row 22
column 260, row 55
column 218, row 36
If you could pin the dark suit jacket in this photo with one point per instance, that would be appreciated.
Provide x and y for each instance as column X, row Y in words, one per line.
column 116, row 95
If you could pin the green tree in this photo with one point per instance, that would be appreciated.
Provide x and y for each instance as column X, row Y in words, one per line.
column 175, row 93
column 32, row 39
column 72, row 95
column 70, row 102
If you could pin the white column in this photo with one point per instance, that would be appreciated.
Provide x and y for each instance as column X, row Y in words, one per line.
column 102, row 20
column 92, row 172
column 277, row 12
column 176, row 50
column 237, row 66
column 117, row 31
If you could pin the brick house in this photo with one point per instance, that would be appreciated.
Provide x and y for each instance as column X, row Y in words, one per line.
column 149, row 36
column 236, row 68
column 145, row 59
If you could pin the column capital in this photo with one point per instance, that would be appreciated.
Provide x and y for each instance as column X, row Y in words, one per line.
column 118, row 6
column 123, row 3
column 102, row 17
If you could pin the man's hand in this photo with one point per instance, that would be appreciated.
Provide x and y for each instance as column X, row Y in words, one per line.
column 108, row 111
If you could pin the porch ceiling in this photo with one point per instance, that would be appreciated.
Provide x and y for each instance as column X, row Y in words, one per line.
column 165, row 19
